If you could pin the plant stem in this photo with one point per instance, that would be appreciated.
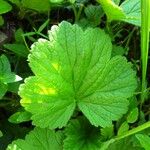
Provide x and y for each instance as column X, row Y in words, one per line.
column 77, row 14
column 134, row 131
column 145, row 17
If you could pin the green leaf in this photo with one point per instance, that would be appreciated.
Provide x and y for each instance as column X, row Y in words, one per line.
column 81, row 135
column 19, row 49
column 112, row 11
column 6, row 76
column 1, row 134
column 16, row 2
column 132, row 10
column 37, row 5
column 124, row 144
column 129, row 11
column 13, row 87
column 4, row 7
column 3, row 90
column 43, row 26
column 74, row 69
column 39, row 139
column 3, row 38
column 93, row 14
column 56, row 1
column 108, row 101
column 144, row 140
column 118, row 50
column 11, row 131
column 116, row 2
column 133, row 116
column 18, row 35
column 107, row 132
column 48, row 99
column 72, row 1
column 19, row 117
column 123, row 128
column 1, row 21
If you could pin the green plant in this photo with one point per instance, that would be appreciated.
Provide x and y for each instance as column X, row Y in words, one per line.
column 83, row 86
column 6, row 76
column 4, row 8
column 129, row 11
column 70, row 77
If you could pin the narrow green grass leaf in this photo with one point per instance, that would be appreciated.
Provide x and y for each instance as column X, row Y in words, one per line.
column 144, row 43
column 19, row 49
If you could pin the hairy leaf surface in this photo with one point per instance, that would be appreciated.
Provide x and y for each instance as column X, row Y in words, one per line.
column 74, row 69
column 39, row 139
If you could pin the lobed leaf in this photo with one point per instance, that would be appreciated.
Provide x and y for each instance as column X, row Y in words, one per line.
column 81, row 135
column 74, row 69
column 39, row 139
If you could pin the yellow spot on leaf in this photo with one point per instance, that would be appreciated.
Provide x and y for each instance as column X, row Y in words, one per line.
column 56, row 66
column 47, row 91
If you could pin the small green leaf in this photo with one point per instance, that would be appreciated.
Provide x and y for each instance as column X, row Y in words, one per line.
column 56, row 1
column 37, row 5
column 3, row 37
column 72, row 1
column 16, row 2
column 133, row 116
column 129, row 11
column 19, row 117
column 118, row 50
column 1, row 134
column 124, row 144
column 18, row 35
column 117, row 1
column 74, row 69
column 107, row 132
column 93, row 14
column 112, row 11
column 3, row 89
column 4, row 7
column 39, row 139
column 81, row 135
column 144, row 141
column 106, row 144
column 13, row 87
column 123, row 128
column 6, row 76
column 19, row 49
column 1, row 21
column 43, row 26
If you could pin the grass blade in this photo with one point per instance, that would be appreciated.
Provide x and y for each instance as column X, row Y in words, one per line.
column 145, row 9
